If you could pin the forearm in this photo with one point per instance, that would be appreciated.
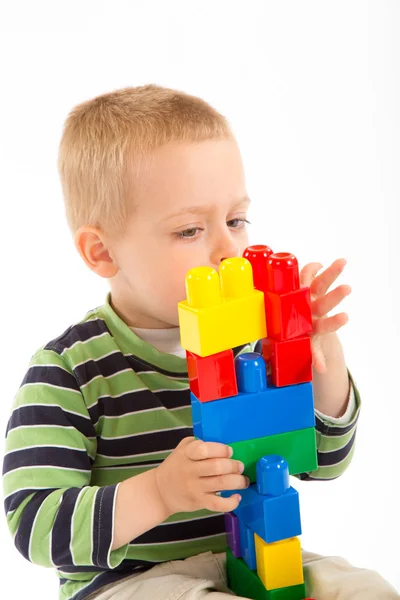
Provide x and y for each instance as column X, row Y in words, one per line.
column 331, row 389
column 138, row 508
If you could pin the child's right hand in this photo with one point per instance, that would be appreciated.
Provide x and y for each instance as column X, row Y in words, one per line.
column 192, row 474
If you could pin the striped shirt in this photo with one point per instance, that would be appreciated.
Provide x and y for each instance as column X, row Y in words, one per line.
column 96, row 406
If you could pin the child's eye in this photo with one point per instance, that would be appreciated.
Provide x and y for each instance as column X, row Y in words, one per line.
column 237, row 223
column 188, row 233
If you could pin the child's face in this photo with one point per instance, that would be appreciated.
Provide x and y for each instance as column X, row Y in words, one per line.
column 190, row 211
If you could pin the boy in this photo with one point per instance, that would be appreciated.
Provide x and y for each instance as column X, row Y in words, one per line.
column 102, row 478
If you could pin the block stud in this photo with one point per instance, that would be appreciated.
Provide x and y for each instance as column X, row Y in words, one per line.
column 202, row 287
column 272, row 473
column 251, row 373
column 236, row 278
column 283, row 273
column 258, row 257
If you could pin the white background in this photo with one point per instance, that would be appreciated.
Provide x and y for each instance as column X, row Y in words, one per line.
column 312, row 91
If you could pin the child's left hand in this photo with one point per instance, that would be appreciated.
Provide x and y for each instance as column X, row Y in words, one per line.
column 322, row 302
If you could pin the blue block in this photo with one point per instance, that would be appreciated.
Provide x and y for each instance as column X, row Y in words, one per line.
column 254, row 415
column 247, row 546
column 272, row 475
column 273, row 518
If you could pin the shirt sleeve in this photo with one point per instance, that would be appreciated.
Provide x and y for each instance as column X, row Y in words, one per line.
column 335, row 440
column 56, row 518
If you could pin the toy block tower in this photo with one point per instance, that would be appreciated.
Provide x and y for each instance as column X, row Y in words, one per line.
column 260, row 404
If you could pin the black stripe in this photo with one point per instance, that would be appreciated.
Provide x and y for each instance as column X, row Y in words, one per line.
column 103, row 524
column 23, row 534
column 106, row 578
column 307, row 477
column 329, row 459
column 52, row 375
column 14, row 500
column 171, row 532
column 132, row 402
column 147, row 463
column 61, row 531
column 44, row 455
column 113, row 364
column 333, row 430
column 32, row 414
column 75, row 333
column 128, row 565
column 159, row 441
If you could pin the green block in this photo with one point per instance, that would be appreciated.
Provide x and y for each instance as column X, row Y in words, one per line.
column 247, row 584
column 242, row 581
column 294, row 592
column 298, row 448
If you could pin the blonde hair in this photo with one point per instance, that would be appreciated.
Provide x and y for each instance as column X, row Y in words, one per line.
column 106, row 138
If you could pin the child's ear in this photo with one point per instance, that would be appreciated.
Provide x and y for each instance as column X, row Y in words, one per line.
column 91, row 245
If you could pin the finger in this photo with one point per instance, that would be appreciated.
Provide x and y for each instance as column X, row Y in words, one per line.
column 318, row 359
column 308, row 273
column 323, row 282
column 224, row 482
column 219, row 504
column 330, row 324
column 218, row 466
column 324, row 304
column 199, row 450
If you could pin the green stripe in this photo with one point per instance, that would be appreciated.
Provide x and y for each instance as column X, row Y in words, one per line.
column 40, row 550
column 144, row 422
column 37, row 436
column 177, row 550
column 13, row 517
column 334, row 470
column 43, row 477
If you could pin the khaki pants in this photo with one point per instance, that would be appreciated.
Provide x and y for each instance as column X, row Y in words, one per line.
column 203, row 577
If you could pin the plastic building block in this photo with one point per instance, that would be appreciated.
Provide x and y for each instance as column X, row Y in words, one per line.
column 243, row 581
column 288, row 362
column 221, row 312
column 258, row 256
column 232, row 533
column 212, row 377
column 273, row 518
column 247, row 584
column 247, row 546
column 272, row 475
column 257, row 411
column 298, row 448
column 287, row 305
column 294, row 592
column 279, row 564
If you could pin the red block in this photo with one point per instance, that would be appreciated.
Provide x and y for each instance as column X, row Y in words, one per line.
column 212, row 377
column 288, row 315
column 258, row 256
column 288, row 362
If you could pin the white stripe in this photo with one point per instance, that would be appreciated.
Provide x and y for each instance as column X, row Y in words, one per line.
column 35, row 489
column 67, row 410
column 142, row 389
column 122, row 437
column 72, row 525
column 139, row 412
column 134, row 455
column 47, row 446
column 140, row 466
column 46, row 467
column 94, row 360
column 105, row 377
column 50, row 365
column 88, row 340
column 51, row 385
column 92, row 437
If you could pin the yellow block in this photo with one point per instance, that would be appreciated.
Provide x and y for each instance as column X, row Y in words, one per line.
column 279, row 564
column 221, row 311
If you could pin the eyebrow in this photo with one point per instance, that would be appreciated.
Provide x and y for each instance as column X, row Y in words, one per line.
column 204, row 208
